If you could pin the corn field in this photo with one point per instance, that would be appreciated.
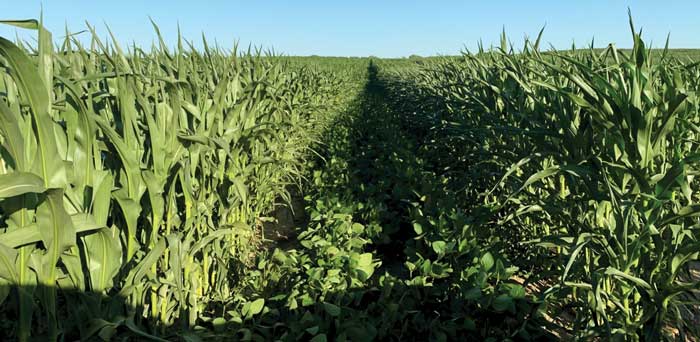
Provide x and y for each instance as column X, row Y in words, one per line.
column 176, row 193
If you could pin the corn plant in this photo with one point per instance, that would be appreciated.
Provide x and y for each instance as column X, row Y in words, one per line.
column 139, row 179
column 583, row 161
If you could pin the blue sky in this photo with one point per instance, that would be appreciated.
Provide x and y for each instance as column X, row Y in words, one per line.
column 388, row 28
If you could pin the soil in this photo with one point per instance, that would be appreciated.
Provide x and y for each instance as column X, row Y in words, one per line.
column 280, row 230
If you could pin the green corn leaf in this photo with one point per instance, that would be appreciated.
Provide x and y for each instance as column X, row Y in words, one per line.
column 104, row 255
column 637, row 281
column 50, row 166
column 8, row 262
column 30, row 233
column 572, row 258
column 20, row 183
column 13, row 137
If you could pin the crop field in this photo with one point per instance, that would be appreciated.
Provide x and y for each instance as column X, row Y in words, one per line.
column 184, row 194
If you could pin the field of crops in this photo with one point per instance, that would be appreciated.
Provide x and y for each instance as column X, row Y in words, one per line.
column 182, row 194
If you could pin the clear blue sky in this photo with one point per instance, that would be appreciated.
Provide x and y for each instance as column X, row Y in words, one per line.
column 386, row 28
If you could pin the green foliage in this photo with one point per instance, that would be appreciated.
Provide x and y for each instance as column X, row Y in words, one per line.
column 578, row 167
column 133, row 183
column 491, row 196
